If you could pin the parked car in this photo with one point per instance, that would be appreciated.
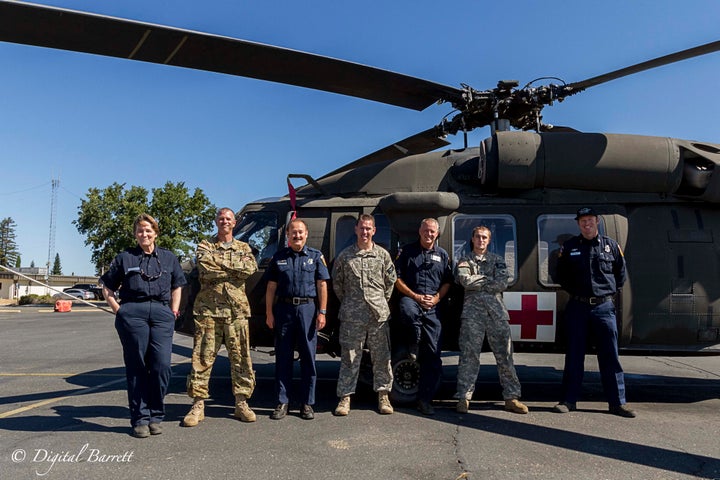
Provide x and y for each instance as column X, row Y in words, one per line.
column 75, row 292
column 96, row 289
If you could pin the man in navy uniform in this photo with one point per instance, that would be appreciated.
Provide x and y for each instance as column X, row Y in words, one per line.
column 295, row 307
column 424, row 278
column 591, row 268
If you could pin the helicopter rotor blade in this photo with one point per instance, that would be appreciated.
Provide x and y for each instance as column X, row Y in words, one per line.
column 423, row 142
column 52, row 27
column 657, row 62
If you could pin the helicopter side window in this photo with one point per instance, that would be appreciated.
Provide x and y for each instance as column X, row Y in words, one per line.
column 260, row 231
column 502, row 242
column 383, row 233
column 344, row 233
column 553, row 231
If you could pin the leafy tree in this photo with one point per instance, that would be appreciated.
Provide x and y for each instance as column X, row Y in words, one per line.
column 8, row 247
column 184, row 219
column 57, row 268
column 106, row 219
column 18, row 262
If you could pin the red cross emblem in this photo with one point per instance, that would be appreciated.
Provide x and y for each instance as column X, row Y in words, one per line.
column 529, row 317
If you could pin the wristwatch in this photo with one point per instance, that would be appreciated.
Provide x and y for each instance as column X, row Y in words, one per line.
column 323, row 311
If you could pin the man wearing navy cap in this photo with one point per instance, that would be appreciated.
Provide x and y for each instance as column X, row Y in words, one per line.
column 591, row 268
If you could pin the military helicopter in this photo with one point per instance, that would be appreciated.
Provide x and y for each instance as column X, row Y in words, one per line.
column 657, row 196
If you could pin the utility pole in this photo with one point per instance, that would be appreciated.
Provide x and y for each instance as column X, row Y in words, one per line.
column 53, row 214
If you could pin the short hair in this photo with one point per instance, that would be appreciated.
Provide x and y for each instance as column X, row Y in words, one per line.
column 296, row 220
column 365, row 217
column 430, row 220
column 479, row 228
column 223, row 210
column 144, row 217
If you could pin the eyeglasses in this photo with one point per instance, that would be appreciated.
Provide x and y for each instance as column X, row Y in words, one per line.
column 150, row 278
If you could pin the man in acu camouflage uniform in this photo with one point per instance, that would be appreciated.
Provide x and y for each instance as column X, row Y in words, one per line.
column 363, row 278
column 484, row 276
column 221, row 312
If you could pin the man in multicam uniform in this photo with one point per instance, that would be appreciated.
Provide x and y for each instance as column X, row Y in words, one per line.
column 484, row 276
column 363, row 279
column 221, row 312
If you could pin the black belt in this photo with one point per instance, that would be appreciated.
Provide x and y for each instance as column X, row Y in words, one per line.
column 296, row 300
column 145, row 300
column 592, row 300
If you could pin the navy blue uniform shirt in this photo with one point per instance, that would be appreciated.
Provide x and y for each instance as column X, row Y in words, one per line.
column 144, row 277
column 296, row 273
column 423, row 271
column 591, row 268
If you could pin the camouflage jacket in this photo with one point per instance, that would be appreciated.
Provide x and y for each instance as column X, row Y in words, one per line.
column 223, row 271
column 363, row 281
column 482, row 275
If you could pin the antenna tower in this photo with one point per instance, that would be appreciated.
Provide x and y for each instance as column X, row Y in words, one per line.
column 53, row 214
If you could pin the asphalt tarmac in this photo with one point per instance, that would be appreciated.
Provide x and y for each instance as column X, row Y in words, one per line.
column 63, row 414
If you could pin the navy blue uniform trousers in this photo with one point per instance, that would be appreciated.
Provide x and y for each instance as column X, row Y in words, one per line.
column 146, row 330
column 599, row 321
column 426, row 328
column 295, row 327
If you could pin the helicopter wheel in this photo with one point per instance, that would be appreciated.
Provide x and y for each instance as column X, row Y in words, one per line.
column 406, row 381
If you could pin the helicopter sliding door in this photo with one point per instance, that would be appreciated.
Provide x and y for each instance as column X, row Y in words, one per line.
column 673, row 260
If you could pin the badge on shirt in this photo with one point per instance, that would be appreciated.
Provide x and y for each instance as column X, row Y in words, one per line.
column 607, row 248
column 310, row 261
column 435, row 257
column 282, row 262
column 575, row 252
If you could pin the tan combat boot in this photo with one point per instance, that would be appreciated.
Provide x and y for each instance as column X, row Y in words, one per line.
column 242, row 409
column 384, row 403
column 195, row 415
column 463, row 405
column 514, row 405
column 343, row 407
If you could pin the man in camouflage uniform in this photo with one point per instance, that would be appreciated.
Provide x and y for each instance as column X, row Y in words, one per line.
column 363, row 278
column 221, row 312
column 484, row 276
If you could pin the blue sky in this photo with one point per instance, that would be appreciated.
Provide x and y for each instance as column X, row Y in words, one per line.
column 91, row 121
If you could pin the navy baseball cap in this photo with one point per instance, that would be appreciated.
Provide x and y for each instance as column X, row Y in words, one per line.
column 584, row 211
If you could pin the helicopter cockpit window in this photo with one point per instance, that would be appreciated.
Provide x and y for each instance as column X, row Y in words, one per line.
column 553, row 231
column 503, row 241
column 260, row 231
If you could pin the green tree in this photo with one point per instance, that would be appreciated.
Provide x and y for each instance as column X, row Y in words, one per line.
column 32, row 263
column 18, row 261
column 57, row 268
column 8, row 247
column 106, row 218
column 184, row 219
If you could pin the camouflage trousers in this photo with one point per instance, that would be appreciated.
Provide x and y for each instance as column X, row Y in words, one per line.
column 211, row 333
column 475, row 325
column 353, row 337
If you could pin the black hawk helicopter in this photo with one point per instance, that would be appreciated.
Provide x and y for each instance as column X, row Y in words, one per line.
column 657, row 196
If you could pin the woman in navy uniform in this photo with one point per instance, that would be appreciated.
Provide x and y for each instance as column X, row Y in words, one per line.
column 295, row 303
column 591, row 268
column 151, row 281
